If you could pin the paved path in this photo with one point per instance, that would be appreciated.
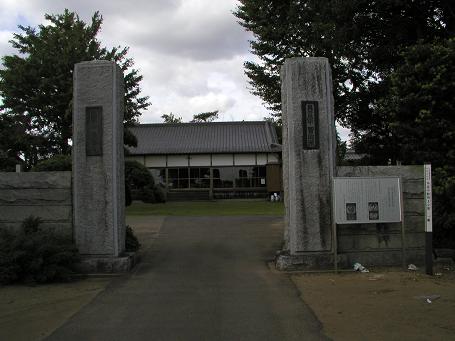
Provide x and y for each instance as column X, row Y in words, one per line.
column 204, row 278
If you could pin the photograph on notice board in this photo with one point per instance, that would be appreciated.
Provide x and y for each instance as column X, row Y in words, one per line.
column 351, row 211
column 373, row 210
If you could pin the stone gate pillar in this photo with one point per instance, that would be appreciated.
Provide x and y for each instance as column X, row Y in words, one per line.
column 309, row 142
column 98, row 164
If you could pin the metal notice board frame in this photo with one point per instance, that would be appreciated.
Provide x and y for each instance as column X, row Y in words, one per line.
column 371, row 195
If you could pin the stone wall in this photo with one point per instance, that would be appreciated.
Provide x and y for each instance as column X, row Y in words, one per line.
column 42, row 194
column 371, row 244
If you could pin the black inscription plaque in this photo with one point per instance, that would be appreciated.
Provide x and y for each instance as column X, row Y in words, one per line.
column 94, row 131
column 351, row 211
column 373, row 210
column 310, row 123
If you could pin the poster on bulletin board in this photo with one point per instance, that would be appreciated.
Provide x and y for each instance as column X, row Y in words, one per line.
column 361, row 200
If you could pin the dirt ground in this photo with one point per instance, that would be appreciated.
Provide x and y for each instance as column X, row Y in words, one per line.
column 382, row 305
column 33, row 312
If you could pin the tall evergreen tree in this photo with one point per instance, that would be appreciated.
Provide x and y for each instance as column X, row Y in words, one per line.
column 422, row 104
column 362, row 40
column 36, row 84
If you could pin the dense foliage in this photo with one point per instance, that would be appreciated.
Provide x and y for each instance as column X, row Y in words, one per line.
column 141, row 185
column 363, row 41
column 54, row 163
column 35, row 255
column 422, row 106
column 12, row 139
column 209, row 116
column 171, row 118
column 36, row 85
column 137, row 175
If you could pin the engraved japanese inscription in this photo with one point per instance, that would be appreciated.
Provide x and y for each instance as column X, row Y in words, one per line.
column 310, row 122
column 94, row 131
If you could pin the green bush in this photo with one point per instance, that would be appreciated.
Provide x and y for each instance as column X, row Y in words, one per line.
column 160, row 194
column 31, row 224
column 55, row 163
column 34, row 255
column 131, row 242
column 147, row 194
column 137, row 175
column 7, row 164
column 141, row 185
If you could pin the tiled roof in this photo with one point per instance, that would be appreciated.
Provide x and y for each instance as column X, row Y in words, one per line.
column 351, row 155
column 197, row 138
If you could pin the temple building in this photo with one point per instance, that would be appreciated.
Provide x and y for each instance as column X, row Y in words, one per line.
column 218, row 160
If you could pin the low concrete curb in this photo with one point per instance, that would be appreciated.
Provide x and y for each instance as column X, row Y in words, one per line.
column 122, row 264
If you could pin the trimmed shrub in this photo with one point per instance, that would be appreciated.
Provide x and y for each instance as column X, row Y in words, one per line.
column 141, row 185
column 160, row 194
column 34, row 255
column 53, row 164
column 147, row 194
column 131, row 242
column 137, row 175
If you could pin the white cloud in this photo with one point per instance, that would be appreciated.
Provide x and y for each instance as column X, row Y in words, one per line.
column 190, row 52
column 344, row 133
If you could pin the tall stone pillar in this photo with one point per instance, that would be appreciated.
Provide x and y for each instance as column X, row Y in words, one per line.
column 309, row 142
column 98, row 164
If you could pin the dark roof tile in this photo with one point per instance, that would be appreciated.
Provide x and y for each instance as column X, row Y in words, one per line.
column 197, row 138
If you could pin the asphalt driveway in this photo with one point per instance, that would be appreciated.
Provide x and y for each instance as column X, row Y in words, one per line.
column 203, row 278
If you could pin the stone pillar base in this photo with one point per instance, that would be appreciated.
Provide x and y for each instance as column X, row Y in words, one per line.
column 98, row 264
column 325, row 261
column 304, row 262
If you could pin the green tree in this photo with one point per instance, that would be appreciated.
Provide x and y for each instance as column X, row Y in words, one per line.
column 362, row 39
column 10, row 142
column 205, row 116
column 422, row 103
column 171, row 118
column 36, row 85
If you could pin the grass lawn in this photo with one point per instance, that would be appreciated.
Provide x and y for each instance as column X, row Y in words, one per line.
column 207, row 208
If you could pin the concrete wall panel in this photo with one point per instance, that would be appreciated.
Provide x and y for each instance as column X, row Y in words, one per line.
column 245, row 159
column 139, row 159
column 261, row 159
column 222, row 160
column 177, row 161
column 155, row 161
column 42, row 194
column 202, row 160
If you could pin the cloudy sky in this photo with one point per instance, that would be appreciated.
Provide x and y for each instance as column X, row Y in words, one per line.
column 190, row 52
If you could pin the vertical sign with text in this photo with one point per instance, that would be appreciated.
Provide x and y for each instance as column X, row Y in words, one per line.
column 94, row 131
column 310, row 124
column 428, row 200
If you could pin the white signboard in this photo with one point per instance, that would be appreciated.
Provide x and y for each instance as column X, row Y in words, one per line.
column 428, row 200
column 367, row 200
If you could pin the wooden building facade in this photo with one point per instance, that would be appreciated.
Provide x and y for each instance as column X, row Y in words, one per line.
column 210, row 160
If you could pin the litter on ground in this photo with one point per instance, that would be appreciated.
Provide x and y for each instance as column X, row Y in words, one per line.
column 360, row 267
